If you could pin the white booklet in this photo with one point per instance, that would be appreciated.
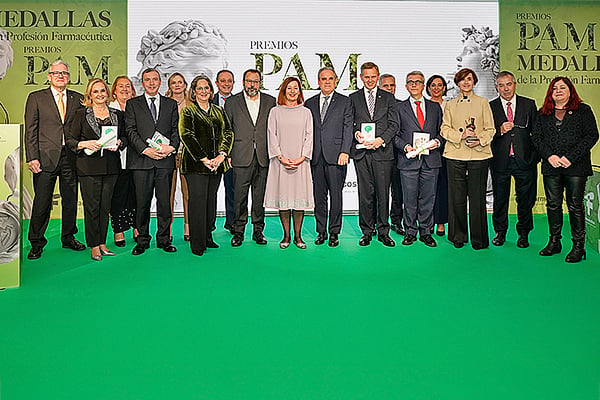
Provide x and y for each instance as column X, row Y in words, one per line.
column 367, row 130
column 419, row 140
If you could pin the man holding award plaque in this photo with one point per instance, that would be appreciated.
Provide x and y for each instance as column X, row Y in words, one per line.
column 151, row 123
column 375, row 126
column 419, row 160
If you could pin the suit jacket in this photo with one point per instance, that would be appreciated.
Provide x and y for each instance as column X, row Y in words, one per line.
column 334, row 135
column 140, row 126
column 82, row 129
column 574, row 139
column 524, row 119
column 409, row 124
column 385, row 117
column 44, row 131
column 247, row 135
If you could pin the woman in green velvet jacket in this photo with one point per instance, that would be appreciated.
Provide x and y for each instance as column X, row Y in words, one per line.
column 207, row 138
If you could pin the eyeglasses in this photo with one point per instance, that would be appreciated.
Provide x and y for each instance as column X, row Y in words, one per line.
column 59, row 73
column 411, row 83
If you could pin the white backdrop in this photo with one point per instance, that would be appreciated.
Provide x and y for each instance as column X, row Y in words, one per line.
column 399, row 36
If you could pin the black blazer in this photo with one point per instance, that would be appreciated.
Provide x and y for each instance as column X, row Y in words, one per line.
column 409, row 124
column 44, row 131
column 248, row 136
column 334, row 135
column 140, row 126
column 82, row 129
column 574, row 139
column 386, row 123
column 524, row 119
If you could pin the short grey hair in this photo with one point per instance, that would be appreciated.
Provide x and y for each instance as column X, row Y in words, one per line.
column 416, row 72
column 59, row 62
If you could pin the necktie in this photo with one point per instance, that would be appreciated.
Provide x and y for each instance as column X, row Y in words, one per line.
column 510, row 116
column 153, row 108
column 420, row 116
column 324, row 108
column 61, row 107
column 371, row 104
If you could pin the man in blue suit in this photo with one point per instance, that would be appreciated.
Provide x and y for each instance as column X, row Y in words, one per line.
column 332, row 130
column 420, row 121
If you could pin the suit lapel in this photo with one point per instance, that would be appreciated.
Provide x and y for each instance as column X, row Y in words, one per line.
column 50, row 99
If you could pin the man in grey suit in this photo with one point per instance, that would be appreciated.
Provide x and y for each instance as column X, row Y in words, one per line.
column 152, row 169
column 374, row 159
column 248, row 112
column 420, row 121
column 48, row 116
column 332, row 129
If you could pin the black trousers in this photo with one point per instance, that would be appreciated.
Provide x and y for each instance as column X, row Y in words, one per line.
column 328, row 181
column 574, row 188
column 526, row 191
column 203, row 213
column 43, row 185
column 229, row 195
column 254, row 176
column 96, row 192
column 374, row 178
column 155, row 181
column 440, row 210
column 467, row 180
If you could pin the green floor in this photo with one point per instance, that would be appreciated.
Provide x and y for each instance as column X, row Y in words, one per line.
column 343, row 323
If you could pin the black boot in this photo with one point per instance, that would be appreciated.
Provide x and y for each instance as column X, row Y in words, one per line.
column 577, row 252
column 553, row 247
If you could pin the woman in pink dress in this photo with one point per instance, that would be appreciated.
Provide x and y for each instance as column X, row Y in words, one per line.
column 290, row 140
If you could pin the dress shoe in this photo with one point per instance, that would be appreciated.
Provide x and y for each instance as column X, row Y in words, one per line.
column 236, row 240
column 553, row 247
column 428, row 240
column 186, row 238
column 386, row 240
column 120, row 243
column 333, row 240
column 107, row 253
column 169, row 248
column 74, row 244
column 97, row 258
column 522, row 242
column 211, row 244
column 259, row 238
column 499, row 239
column 284, row 243
column 138, row 249
column 299, row 243
column 365, row 240
column 409, row 239
column 397, row 229
column 198, row 252
column 479, row 247
column 321, row 238
column 458, row 245
column 35, row 253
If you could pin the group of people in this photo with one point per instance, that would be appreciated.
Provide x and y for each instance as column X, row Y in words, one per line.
column 433, row 154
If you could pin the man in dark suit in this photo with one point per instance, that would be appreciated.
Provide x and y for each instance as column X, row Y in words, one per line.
column 514, row 155
column 387, row 82
column 248, row 112
column 224, row 82
column 420, row 121
column 48, row 116
column 332, row 130
column 152, row 169
column 373, row 158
